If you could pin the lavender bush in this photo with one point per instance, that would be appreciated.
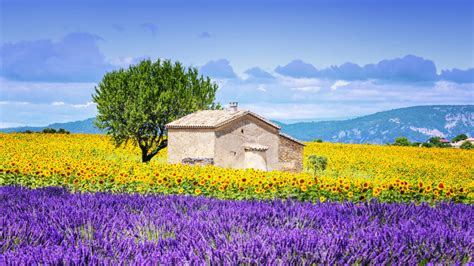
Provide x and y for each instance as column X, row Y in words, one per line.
column 52, row 226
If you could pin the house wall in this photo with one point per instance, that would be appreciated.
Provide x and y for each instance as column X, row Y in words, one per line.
column 256, row 160
column 230, row 139
column 183, row 143
column 290, row 155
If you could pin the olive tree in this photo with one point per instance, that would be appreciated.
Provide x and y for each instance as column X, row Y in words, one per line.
column 135, row 104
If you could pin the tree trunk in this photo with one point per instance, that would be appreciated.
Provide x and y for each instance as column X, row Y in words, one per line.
column 145, row 156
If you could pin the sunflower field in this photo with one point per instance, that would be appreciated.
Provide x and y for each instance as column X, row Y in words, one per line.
column 90, row 163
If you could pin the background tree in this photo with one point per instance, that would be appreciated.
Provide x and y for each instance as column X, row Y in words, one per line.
column 401, row 141
column 467, row 145
column 135, row 104
column 317, row 163
column 459, row 138
column 436, row 142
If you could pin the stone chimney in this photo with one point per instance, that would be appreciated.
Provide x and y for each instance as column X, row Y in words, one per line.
column 233, row 106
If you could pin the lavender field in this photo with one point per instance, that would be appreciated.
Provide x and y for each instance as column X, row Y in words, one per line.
column 53, row 226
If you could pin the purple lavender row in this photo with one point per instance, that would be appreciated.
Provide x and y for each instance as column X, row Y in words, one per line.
column 53, row 226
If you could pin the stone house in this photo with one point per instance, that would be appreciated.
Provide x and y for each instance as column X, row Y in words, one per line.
column 459, row 143
column 233, row 138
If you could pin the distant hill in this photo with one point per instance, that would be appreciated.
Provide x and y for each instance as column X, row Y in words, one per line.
column 416, row 123
column 84, row 126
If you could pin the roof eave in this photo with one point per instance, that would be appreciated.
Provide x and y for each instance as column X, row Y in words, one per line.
column 292, row 139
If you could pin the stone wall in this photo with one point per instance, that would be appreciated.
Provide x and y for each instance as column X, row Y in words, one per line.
column 231, row 138
column 256, row 160
column 290, row 155
column 190, row 143
column 198, row 161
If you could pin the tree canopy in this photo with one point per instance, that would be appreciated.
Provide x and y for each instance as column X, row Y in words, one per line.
column 402, row 141
column 135, row 104
column 467, row 145
column 459, row 138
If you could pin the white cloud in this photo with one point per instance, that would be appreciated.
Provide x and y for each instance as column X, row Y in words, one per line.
column 339, row 84
column 13, row 103
column 46, row 92
column 7, row 125
column 261, row 87
column 304, row 111
column 122, row 61
column 83, row 105
column 42, row 114
column 298, row 82
column 307, row 89
column 283, row 98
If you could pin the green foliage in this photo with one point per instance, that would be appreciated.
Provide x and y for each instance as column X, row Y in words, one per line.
column 135, row 104
column 401, row 141
column 436, row 142
column 49, row 130
column 415, row 144
column 426, row 145
column 317, row 163
column 459, row 138
column 467, row 145
column 318, row 140
column 62, row 131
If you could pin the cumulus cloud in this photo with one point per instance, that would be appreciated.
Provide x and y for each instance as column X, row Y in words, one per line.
column 307, row 89
column 83, row 105
column 150, row 27
column 292, row 112
column 258, row 73
column 406, row 69
column 261, row 87
column 46, row 92
column 339, row 84
column 347, row 71
column 15, row 114
column 126, row 61
column 218, row 69
column 76, row 57
column 459, row 76
column 361, row 96
column 297, row 69
column 409, row 68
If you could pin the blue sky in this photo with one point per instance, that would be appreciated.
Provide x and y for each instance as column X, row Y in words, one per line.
column 284, row 59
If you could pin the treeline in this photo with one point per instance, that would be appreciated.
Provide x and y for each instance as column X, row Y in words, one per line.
column 48, row 130
column 435, row 142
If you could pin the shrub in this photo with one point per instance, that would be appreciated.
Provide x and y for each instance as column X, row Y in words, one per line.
column 63, row 131
column 437, row 142
column 416, row 144
column 318, row 140
column 317, row 163
column 402, row 141
column 467, row 145
column 49, row 130
column 459, row 138
column 427, row 145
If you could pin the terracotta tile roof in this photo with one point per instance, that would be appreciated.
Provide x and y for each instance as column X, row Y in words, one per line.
column 254, row 147
column 214, row 119
column 292, row 139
